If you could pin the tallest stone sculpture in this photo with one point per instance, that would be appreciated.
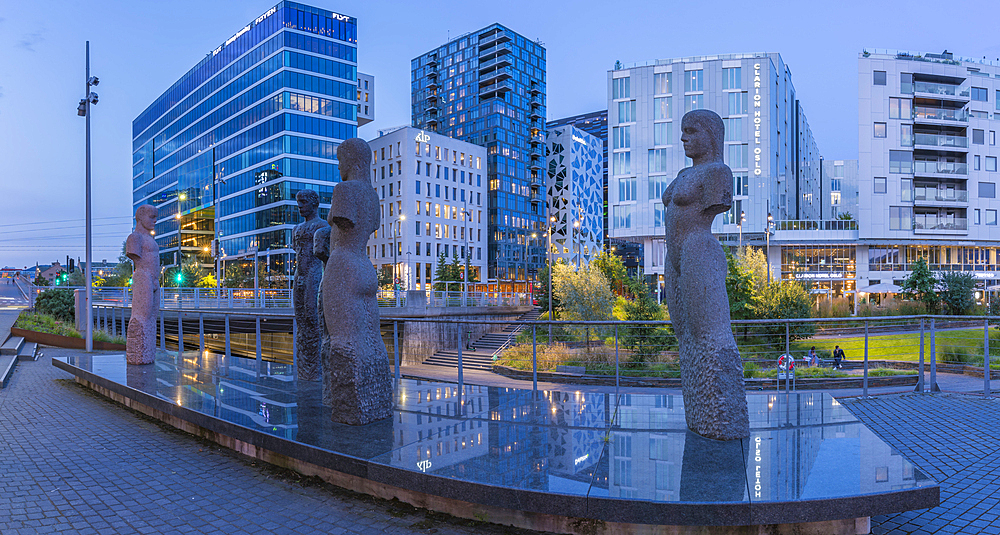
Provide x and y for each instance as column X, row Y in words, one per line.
column 715, row 403
column 356, row 380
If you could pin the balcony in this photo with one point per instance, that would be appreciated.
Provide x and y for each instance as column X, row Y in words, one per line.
column 494, row 36
column 938, row 224
column 432, row 61
column 932, row 195
column 432, row 97
column 534, row 89
column 498, row 74
column 535, row 113
column 431, row 111
column 924, row 114
column 495, row 51
column 537, row 180
column 942, row 141
column 536, row 164
column 940, row 90
column 433, row 84
column 495, row 89
column 537, row 196
column 825, row 224
column 501, row 61
column 940, row 168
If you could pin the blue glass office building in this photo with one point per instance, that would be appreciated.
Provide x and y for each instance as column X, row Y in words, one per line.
column 226, row 148
column 488, row 87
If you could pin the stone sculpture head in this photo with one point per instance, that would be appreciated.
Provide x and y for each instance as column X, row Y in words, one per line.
column 703, row 134
column 145, row 217
column 308, row 201
column 355, row 159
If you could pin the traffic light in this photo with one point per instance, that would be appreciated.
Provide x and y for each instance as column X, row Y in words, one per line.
column 180, row 277
column 72, row 265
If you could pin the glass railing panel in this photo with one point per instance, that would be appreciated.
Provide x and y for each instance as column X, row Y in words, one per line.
column 952, row 168
column 935, row 88
column 940, row 114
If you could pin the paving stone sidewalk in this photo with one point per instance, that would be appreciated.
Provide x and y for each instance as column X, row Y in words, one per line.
column 954, row 438
column 74, row 462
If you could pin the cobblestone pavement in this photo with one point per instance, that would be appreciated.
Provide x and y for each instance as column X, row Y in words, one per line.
column 955, row 439
column 73, row 462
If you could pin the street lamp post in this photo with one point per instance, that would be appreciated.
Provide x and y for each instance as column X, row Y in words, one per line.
column 395, row 262
column 743, row 218
column 767, row 249
column 84, row 110
column 552, row 220
column 533, row 235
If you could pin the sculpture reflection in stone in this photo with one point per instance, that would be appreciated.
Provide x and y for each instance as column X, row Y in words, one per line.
column 356, row 379
column 715, row 404
column 308, row 277
column 141, row 248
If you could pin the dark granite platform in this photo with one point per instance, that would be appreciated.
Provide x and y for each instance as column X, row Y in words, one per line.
column 624, row 458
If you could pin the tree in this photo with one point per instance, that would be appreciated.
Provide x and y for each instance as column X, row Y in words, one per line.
column 585, row 294
column 543, row 290
column 785, row 300
column 191, row 273
column 236, row 276
column 613, row 269
column 956, row 292
column 448, row 276
column 643, row 341
column 920, row 285
column 208, row 281
column 41, row 281
column 57, row 302
column 845, row 216
column 740, row 288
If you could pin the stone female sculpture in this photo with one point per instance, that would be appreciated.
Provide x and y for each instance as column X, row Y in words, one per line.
column 308, row 275
column 356, row 380
column 140, row 345
column 715, row 403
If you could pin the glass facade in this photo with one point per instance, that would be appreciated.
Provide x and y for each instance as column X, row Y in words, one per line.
column 595, row 124
column 488, row 88
column 224, row 150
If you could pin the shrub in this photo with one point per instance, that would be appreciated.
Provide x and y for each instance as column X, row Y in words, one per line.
column 839, row 307
column 889, row 372
column 58, row 303
column 44, row 323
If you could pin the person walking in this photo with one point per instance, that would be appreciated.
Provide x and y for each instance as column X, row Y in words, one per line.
column 838, row 356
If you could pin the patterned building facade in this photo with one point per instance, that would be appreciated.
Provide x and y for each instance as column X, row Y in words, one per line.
column 574, row 191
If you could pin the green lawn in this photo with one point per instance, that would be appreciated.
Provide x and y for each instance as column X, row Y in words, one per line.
column 902, row 346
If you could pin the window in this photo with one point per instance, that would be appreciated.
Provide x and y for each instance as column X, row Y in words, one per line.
column 693, row 81
column 662, row 134
column 694, row 102
column 980, row 94
column 879, row 129
column 906, row 83
column 657, row 214
column 906, row 135
column 621, row 137
column 661, row 108
column 993, row 137
column 900, row 218
column 622, row 163
column 741, row 185
column 900, row 161
column 991, row 217
column 622, row 216
column 899, row 108
column 978, row 137
column 906, row 190
column 731, row 78
column 975, row 163
column 658, row 161
column 661, row 83
column 737, row 156
column 880, row 184
column 621, row 88
column 734, row 128
column 878, row 77
column 657, row 185
column 977, row 219
column 418, row 231
column 987, row 190
column 418, row 185
column 626, row 111
column 626, row 189
column 991, row 163
column 437, row 190
column 737, row 103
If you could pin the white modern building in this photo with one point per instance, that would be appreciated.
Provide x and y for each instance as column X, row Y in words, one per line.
column 769, row 145
column 575, row 194
column 432, row 193
column 928, row 164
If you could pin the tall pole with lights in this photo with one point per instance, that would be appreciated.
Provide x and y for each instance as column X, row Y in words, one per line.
column 84, row 110
column 743, row 218
column 767, row 251
column 552, row 220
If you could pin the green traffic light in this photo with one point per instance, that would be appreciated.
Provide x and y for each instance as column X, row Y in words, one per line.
column 180, row 277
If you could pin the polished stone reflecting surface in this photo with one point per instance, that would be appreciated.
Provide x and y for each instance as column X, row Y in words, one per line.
column 802, row 446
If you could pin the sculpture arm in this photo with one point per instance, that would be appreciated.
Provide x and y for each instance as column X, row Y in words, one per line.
column 717, row 190
column 133, row 246
column 321, row 244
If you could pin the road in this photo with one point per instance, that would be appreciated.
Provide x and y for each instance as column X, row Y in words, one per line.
column 10, row 296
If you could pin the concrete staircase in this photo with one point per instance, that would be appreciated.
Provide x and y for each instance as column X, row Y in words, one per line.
column 13, row 350
column 481, row 357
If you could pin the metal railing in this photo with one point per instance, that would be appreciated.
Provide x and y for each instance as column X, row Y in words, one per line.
column 246, row 298
column 871, row 346
column 826, row 224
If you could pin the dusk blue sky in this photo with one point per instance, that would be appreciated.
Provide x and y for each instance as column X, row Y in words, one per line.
column 139, row 48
